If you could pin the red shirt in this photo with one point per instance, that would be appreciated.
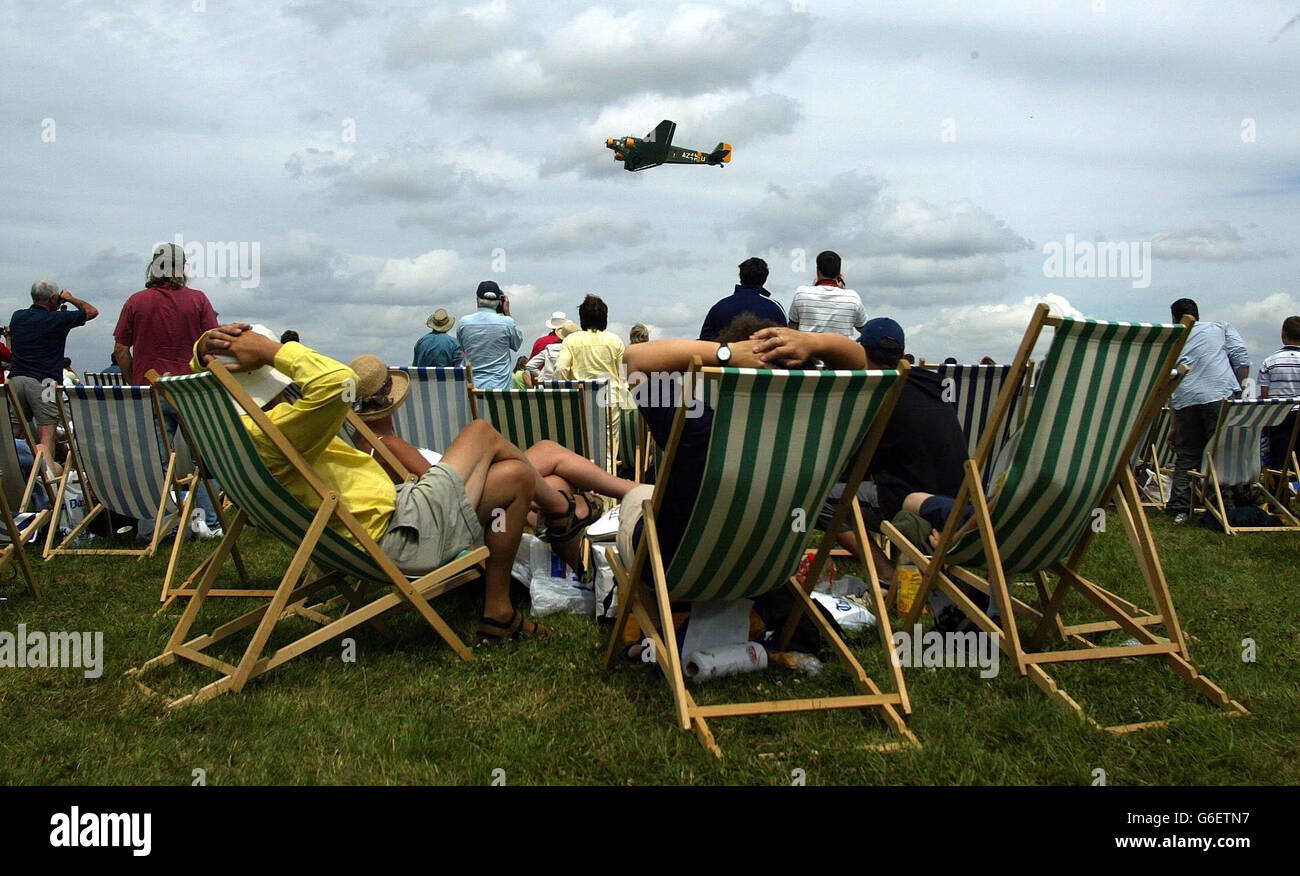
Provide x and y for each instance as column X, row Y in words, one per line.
column 542, row 343
column 160, row 325
column 5, row 356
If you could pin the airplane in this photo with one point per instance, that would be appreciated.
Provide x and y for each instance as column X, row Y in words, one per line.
column 656, row 149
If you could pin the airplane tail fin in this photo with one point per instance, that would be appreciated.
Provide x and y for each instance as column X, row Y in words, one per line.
column 721, row 154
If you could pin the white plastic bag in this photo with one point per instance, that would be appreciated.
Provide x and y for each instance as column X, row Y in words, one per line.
column 74, row 503
column 554, row 586
column 605, row 585
column 848, row 614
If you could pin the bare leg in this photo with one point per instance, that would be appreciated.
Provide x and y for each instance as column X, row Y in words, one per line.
column 550, row 458
column 45, row 437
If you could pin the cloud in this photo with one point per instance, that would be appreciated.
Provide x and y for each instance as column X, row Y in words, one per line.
column 1260, row 322
column 469, row 221
column 1207, row 242
column 600, row 56
column 970, row 331
column 326, row 16
column 657, row 260
column 735, row 117
column 588, row 230
column 411, row 173
column 444, row 34
column 896, row 244
column 436, row 272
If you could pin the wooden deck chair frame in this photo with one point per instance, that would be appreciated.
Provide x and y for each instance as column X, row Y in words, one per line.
column 172, row 485
column 650, row 605
column 306, row 576
column 17, row 532
column 46, row 482
column 1207, row 491
column 1120, row 613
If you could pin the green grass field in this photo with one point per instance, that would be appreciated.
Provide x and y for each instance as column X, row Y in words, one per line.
column 407, row 711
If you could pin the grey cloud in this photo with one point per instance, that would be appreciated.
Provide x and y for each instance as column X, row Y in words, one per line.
column 1208, row 242
column 657, row 260
column 327, row 16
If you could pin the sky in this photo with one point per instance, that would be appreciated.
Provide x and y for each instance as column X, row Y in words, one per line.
column 372, row 162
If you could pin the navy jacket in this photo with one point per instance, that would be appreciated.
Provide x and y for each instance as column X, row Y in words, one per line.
column 746, row 299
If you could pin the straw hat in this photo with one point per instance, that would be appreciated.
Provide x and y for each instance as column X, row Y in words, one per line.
column 566, row 328
column 380, row 389
column 440, row 320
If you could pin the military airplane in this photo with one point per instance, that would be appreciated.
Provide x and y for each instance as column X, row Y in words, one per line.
column 657, row 148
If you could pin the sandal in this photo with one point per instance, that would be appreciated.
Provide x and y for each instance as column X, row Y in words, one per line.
column 556, row 535
column 496, row 632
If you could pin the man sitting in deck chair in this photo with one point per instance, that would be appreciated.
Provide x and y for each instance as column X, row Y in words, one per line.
column 769, row 347
column 481, row 479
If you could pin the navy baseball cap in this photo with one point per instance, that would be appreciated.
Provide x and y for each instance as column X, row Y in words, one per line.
column 880, row 329
column 488, row 290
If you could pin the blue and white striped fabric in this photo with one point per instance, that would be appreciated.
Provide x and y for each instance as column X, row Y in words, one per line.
column 437, row 408
column 120, row 447
column 597, row 398
column 105, row 378
column 1235, row 445
column 14, row 484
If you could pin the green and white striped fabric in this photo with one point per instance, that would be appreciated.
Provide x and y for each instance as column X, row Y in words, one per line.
column 1235, row 446
column 1157, row 434
column 629, row 429
column 120, row 447
column 597, row 397
column 526, row 416
column 1089, row 397
column 228, row 451
column 973, row 392
column 780, row 440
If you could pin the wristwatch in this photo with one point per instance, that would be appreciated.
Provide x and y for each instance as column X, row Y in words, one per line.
column 724, row 354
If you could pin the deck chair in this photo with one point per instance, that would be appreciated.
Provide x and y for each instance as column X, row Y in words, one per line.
column 1156, row 457
column 526, row 416
column 1099, row 387
column 779, row 440
column 105, row 378
column 22, row 518
column 632, row 449
column 439, row 405
column 126, row 465
column 210, row 406
column 972, row 390
column 597, row 399
column 1232, row 457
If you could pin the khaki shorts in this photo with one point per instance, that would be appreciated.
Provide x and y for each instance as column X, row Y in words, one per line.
column 31, row 398
column 432, row 523
column 630, row 511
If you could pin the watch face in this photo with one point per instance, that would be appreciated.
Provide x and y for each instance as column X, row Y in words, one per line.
column 724, row 353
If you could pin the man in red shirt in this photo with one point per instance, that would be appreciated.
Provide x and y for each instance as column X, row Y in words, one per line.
column 160, row 323
column 157, row 330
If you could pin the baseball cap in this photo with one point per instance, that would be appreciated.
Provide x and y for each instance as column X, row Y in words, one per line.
column 880, row 329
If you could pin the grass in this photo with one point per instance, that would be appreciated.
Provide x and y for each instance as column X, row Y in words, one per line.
column 407, row 711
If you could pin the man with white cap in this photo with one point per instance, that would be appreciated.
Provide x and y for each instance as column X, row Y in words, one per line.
column 439, row 348
column 557, row 319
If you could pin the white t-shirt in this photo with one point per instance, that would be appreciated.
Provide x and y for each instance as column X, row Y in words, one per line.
column 828, row 309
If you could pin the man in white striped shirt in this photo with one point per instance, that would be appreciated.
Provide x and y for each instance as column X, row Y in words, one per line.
column 1279, row 377
column 827, row 306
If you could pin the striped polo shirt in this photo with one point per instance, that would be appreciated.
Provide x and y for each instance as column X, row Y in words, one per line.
column 828, row 309
column 1281, row 373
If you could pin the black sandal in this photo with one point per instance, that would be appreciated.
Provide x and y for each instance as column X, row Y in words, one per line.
column 495, row 632
column 555, row 535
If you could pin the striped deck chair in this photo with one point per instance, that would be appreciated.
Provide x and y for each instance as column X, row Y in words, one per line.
column 1232, row 457
column 438, row 406
column 972, row 390
column 597, row 398
column 1099, row 387
column 526, row 416
column 125, row 464
column 22, row 519
column 1156, row 457
column 779, row 440
column 210, row 405
column 632, row 450
column 105, row 378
